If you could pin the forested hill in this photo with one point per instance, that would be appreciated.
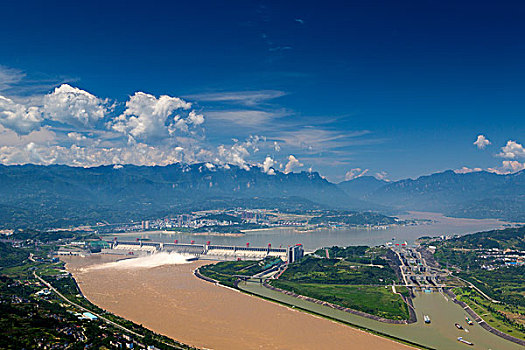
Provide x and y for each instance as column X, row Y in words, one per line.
column 60, row 195
column 473, row 195
column 39, row 196
column 509, row 238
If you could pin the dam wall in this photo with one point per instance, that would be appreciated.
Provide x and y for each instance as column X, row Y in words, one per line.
column 205, row 251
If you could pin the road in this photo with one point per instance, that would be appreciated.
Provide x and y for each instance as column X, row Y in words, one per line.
column 50, row 287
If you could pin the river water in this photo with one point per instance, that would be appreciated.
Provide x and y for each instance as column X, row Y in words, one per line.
column 326, row 237
column 441, row 333
column 170, row 300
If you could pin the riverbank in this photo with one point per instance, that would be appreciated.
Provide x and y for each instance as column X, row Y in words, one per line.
column 338, row 307
column 172, row 301
column 439, row 334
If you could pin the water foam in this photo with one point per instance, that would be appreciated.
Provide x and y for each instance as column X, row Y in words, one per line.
column 146, row 262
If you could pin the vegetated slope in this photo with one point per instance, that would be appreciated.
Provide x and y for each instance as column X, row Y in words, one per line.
column 60, row 194
column 490, row 260
column 10, row 256
column 509, row 238
column 474, row 195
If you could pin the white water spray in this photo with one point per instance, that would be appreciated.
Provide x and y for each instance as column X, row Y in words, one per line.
column 146, row 262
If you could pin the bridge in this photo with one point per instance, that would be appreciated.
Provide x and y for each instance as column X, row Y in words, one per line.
column 206, row 251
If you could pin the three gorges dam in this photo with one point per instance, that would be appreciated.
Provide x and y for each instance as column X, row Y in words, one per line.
column 206, row 251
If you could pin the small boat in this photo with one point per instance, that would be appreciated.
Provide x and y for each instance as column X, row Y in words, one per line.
column 469, row 321
column 426, row 318
column 460, row 339
column 458, row 326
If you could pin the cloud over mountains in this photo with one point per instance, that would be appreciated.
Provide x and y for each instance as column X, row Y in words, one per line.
column 72, row 126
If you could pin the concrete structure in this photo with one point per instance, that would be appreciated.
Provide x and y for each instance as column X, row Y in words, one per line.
column 207, row 251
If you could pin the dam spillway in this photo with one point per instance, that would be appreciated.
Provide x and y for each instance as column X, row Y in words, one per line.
column 206, row 251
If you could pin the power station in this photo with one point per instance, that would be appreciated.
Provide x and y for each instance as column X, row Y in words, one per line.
column 206, row 251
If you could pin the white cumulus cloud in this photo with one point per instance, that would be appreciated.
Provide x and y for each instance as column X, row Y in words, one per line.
column 73, row 106
column 91, row 155
column 466, row 170
column 75, row 136
column 19, row 118
column 147, row 117
column 382, row 175
column 508, row 167
column 235, row 155
column 195, row 119
column 512, row 150
column 481, row 142
column 292, row 164
column 267, row 165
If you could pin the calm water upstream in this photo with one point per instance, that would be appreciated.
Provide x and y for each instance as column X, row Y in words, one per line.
column 343, row 237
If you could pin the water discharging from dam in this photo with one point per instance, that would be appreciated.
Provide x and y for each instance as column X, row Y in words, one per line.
column 145, row 262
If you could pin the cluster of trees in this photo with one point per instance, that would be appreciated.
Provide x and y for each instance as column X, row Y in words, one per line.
column 10, row 256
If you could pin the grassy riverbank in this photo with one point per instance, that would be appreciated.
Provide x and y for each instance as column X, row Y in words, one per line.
column 507, row 319
column 374, row 300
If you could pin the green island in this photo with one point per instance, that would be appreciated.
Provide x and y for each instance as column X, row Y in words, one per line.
column 491, row 266
column 41, row 305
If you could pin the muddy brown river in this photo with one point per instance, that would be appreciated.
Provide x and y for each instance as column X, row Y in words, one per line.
column 170, row 300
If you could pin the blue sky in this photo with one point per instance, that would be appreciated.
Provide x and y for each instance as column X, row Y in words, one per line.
column 398, row 88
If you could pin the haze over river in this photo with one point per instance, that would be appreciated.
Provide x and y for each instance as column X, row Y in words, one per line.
column 312, row 240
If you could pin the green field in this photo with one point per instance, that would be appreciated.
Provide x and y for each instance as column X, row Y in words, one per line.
column 378, row 301
column 338, row 271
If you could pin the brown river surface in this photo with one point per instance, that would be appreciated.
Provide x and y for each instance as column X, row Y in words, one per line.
column 170, row 300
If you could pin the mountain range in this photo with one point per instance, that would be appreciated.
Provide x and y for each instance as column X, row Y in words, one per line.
column 58, row 195
column 472, row 195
